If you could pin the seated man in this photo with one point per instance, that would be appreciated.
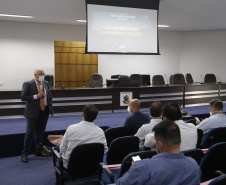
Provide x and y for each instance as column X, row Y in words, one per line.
column 217, row 117
column 156, row 114
column 169, row 167
column 137, row 119
column 84, row 132
column 171, row 111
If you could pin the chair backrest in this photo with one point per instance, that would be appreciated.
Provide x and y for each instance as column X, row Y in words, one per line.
column 136, row 79
column 49, row 78
column 215, row 135
column 121, row 147
column 114, row 76
column 196, row 154
column 178, row 78
column 189, row 78
column 113, row 133
column 123, row 79
column 213, row 160
column 210, row 78
column 158, row 80
column 84, row 159
column 221, row 180
column 171, row 79
column 96, row 80
column 127, row 161
column 199, row 139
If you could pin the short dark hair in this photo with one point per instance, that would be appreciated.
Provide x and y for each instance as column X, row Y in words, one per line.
column 156, row 109
column 172, row 111
column 90, row 113
column 217, row 103
column 168, row 131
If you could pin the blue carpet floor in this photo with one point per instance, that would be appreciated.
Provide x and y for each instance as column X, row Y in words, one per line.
column 18, row 126
column 38, row 171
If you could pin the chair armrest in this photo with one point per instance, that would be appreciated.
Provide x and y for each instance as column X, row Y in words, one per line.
column 219, row 173
column 57, row 157
column 101, row 168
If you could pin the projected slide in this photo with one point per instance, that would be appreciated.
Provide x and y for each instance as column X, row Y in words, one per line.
column 121, row 30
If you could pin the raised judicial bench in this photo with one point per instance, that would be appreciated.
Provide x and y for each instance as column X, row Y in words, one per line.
column 71, row 100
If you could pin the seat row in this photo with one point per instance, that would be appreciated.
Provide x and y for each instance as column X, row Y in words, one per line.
column 176, row 79
column 85, row 158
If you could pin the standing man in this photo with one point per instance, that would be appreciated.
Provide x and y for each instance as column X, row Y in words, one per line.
column 137, row 119
column 38, row 99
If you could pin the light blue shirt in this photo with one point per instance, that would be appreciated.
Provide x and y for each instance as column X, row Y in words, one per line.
column 163, row 169
column 214, row 121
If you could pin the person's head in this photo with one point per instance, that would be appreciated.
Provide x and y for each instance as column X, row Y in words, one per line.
column 89, row 113
column 156, row 109
column 39, row 75
column 167, row 137
column 216, row 106
column 171, row 111
column 134, row 105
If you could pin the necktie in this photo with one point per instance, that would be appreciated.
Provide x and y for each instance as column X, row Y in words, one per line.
column 42, row 102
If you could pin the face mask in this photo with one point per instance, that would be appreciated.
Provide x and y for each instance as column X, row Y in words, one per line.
column 41, row 78
column 128, row 109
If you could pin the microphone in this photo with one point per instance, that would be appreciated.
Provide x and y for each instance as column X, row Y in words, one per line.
column 63, row 87
column 202, row 80
column 167, row 82
column 219, row 80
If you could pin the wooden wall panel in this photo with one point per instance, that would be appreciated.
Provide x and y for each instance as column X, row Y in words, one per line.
column 72, row 65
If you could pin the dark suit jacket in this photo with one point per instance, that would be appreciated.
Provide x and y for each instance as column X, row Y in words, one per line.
column 32, row 106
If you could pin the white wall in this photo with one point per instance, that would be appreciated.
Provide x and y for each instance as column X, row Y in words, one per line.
column 167, row 63
column 26, row 46
column 203, row 52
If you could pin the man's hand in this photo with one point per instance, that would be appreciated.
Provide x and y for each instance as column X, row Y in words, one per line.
column 41, row 95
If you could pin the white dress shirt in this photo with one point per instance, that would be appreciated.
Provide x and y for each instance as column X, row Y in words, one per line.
column 216, row 120
column 146, row 129
column 188, row 133
column 81, row 133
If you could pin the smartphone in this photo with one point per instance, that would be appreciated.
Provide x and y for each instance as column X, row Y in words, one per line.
column 197, row 119
column 136, row 158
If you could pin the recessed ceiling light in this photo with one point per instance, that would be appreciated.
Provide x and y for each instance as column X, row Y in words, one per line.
column 21, row 16
column 81, row 20
column 163, row 26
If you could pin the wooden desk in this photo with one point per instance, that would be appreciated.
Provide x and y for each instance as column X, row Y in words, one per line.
column 73, row 100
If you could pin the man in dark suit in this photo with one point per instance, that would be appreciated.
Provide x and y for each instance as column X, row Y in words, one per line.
column 38, row 99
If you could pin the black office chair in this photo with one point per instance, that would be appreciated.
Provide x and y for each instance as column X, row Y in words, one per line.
column 215, row 135
column 114, row 76
column 113, row 133
column 213, row 162
column 109, row 175
column 200, row 136
column 136, row 79
column 96, row 80
column 49, row 78
column 158, row 80
column 123, row 79
column 83, row 162
column 210, row 78
column 196, row 154
column 121, row 147
column 221, row 180
column 178, row 79
column 189, row 78
column 171, row 79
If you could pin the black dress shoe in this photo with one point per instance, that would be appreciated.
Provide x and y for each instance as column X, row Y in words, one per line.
column 24, row 158
column 47, row 151
column 41, row 154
